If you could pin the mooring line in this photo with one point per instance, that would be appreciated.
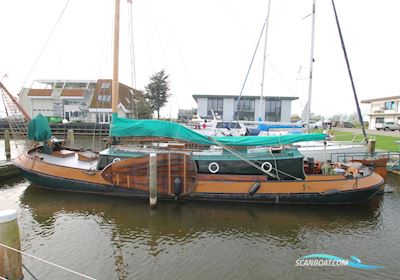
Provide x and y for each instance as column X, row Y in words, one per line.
column 50, row 263
column 30, row 273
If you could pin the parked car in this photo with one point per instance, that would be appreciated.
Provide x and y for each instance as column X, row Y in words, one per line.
column 387, row 126
column 313, row 124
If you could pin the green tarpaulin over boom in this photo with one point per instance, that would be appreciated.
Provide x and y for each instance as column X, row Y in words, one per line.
column 153, row 128
column 39, row 129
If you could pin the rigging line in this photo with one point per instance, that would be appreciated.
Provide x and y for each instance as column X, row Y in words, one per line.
column 167, row 25
column 47, row 262
column 132, row 56
column 349, row 71
column 47, row 41
column 251, row 63
column 30, row 273
column 235, row 153
column 261, row 107
column 163, row 53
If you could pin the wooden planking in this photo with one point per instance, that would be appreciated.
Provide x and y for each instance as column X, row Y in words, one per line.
column 133, row 172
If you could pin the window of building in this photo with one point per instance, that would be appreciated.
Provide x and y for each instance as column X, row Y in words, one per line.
column 105, row 85
column 104, row 98
column 216, row 105
column 379, row 120
column 273, row 110
column 244, row 110
column 103, row 117
column 390, row 105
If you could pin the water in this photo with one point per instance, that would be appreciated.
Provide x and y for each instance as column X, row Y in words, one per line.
column 116, row 238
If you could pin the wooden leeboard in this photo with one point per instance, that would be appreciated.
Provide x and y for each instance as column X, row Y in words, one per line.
column 133, row 173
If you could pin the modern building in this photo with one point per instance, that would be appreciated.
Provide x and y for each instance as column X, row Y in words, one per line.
column 228, row 107
column 76, row 100
column 385, row 109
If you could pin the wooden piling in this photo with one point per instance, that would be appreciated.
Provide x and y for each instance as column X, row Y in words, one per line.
column 153, row 180
column 371, row 146
column 10, row 261
column 70, row 138
column 7, row 146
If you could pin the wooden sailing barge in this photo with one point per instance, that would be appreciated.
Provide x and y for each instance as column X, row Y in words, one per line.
column 247, row 170
column 123, row 170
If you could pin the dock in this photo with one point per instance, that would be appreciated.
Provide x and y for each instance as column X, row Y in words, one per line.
column 8, row 170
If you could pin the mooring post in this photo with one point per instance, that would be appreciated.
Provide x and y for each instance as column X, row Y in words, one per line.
column 153, row 180
column 7, row 146
column 10, row 261
column 70, row 138
column 371, row 146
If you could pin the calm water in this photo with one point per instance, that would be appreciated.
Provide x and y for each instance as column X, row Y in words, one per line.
column 113, row 238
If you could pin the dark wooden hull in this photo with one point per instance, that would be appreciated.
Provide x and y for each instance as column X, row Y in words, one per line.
column 343, row 197
column 129, row 178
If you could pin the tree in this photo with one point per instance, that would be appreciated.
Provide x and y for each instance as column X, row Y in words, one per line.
column 295, row 118
column 142, row 107
column 157, row 91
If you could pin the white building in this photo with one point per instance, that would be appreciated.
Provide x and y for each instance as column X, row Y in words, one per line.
column 76, row 100
column 275, row 108
column 385, row 109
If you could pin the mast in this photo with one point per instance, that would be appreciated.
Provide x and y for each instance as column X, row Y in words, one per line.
column 115, row 83
column 261, row 108
column 311, row 68
column 350, row 75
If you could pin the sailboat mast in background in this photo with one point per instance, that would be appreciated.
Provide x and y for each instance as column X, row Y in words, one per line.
column 311, row 69
column 261, row 108
column 115, row 83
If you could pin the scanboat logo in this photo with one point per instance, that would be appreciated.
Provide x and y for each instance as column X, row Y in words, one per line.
column 329, row 260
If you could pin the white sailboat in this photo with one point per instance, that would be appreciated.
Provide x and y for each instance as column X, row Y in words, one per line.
column 327, row 150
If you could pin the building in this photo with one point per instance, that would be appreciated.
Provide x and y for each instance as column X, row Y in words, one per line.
column 275, row 109
column 185, row 115
column 76, row 100
column 385, row 109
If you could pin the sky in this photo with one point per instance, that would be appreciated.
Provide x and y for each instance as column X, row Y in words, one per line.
column 206, row 47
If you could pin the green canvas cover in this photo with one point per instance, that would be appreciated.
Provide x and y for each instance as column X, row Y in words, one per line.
column 39, row 129
column 121, row 127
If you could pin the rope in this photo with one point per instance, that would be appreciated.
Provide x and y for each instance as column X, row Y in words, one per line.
column 45, row 44
column 30, row 273
column 235, row 153
column 50, row 263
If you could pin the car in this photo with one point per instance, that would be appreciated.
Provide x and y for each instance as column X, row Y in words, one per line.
column 313, row 124
column 387, row 126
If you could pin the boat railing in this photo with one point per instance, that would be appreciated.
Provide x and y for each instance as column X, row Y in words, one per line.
column 393, row 157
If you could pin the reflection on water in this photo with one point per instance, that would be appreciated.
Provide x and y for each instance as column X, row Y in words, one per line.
column 114, row 238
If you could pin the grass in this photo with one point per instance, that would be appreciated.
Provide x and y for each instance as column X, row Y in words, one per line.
column 386, row 143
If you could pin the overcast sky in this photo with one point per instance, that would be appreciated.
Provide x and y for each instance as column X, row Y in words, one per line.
column 206, row 47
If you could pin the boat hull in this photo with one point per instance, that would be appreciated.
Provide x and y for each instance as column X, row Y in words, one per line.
column 67, row 184
column 318, row 189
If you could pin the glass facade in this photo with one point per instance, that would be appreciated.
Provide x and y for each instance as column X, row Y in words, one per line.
column 273, row 110
column 244, row 110
column 216, row 105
